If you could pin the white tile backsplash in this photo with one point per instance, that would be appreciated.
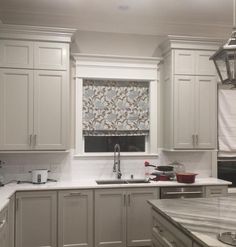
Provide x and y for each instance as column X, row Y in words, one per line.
column 64, row 166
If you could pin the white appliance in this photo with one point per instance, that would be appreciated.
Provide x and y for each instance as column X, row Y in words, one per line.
column 39, row 176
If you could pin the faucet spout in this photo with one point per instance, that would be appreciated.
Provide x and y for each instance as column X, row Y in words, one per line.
column 116, row 166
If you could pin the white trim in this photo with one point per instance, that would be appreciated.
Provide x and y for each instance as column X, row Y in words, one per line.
column 190, row 42
column 122, row 68
column 116, row 67
column 22, row 32
column 79, row 143
column 111, row 155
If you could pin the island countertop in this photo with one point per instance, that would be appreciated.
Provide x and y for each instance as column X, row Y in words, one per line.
column 200, row 218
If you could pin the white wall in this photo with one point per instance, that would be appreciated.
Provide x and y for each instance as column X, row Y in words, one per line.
column 116, row 44
column 64, row 167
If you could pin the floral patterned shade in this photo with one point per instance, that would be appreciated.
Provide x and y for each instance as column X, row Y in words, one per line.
column 115, row 107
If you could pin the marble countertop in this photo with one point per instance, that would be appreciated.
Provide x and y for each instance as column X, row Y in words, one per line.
column 200, row 218
column 8, row 190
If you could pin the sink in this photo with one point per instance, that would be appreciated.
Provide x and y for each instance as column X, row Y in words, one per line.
column 119, row 181
column 138, row 181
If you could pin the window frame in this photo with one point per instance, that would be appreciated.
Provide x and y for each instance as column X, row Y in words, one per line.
column 101, row 70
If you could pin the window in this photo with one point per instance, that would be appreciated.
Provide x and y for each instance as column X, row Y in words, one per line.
column 119, row 70
column 115, row 112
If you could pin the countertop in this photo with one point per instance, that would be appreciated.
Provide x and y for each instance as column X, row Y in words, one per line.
column 8, row 190
column 200, row 218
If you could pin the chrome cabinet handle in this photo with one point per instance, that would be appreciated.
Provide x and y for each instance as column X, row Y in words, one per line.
column 74, row 194
column 30, row 140
column 35, row 140
column 196, row 139
column 2, row 223
column 183, row 193
column 124, row 199
column 129, row 199
column 193, row 140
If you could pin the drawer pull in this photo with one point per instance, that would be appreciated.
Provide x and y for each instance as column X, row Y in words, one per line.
column 2, row 223
column 75, row 194
column 182, row 193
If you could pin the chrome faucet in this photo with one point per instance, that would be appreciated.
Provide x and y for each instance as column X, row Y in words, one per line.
column 116, row 166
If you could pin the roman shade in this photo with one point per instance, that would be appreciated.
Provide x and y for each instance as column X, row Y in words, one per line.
column 113, row 108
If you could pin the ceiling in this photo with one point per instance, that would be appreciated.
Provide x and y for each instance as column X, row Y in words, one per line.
column 150, row 17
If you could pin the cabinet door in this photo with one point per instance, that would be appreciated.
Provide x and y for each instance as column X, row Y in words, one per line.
column 139, row 220
column 11, row 220
column 184, row 112
column 36, row 219
column 16, row 109
column 75, row 222
column 16, row 54
column 4, row 228
column 184, row 62
column 50, row 110
column 203, row 65
column 206, row 112
column 110, row 218
column 51, row 56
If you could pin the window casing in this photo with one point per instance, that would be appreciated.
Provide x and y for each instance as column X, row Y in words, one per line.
column 117, row 68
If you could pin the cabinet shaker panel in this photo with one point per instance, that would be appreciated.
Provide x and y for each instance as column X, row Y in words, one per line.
column 16, row 54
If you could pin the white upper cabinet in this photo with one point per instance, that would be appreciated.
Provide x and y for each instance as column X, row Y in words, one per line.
column 189, row 90
column 184, row 62
column 34, row 55
column 50, row 109
column 184, row 111
column 193, row 62
column 16, row 109
column 34, row 88
column 16, row 54
column 51, row 56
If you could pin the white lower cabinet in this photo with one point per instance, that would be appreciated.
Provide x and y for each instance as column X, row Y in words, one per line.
column 36, row 219
column 75, row 218
column 215, row 191
column 11, row 220
column 122, row 217
column 165, row 234
column 4, row 228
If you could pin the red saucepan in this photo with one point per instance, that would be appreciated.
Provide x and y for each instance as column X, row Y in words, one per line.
column 186, row 177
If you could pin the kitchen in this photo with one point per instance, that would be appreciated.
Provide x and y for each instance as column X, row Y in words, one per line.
column 134, row 51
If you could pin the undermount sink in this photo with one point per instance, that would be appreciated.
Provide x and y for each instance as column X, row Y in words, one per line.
column 121, row 181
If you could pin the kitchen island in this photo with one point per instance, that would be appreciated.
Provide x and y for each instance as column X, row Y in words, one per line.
column 192, row 222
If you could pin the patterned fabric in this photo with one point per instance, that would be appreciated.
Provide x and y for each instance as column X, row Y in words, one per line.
column 115, row 107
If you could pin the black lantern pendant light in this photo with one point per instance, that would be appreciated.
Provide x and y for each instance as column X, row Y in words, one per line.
column 225, row 58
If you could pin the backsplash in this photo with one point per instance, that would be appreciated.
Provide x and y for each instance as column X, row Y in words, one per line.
column 64, row 166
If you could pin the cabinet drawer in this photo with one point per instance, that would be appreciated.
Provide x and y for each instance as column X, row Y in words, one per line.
column 214, row 191
column 169, row 234
column 16, row 54
column 51, row 56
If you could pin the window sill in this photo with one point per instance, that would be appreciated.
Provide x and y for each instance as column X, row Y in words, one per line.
column 111, row 155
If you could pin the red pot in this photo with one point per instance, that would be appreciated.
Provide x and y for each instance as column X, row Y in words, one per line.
column 186, row 177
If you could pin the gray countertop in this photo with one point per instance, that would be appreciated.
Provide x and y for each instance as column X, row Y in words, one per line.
column 200, row 218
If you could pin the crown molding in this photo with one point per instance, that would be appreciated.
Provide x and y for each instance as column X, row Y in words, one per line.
column 23, row 32
column 190, row 42
column 116, row 67
column 114, row 58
